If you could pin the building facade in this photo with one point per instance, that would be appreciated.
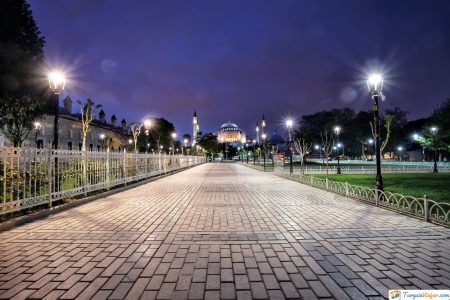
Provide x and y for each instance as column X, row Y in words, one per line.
column 102, row 133
column 230, row 133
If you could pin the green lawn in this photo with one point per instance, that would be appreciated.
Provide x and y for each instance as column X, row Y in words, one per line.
column 435, row 186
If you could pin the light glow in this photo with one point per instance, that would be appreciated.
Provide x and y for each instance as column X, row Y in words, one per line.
column 337, row 130
column 375, row 82
column 57, row 81
column 289, row 124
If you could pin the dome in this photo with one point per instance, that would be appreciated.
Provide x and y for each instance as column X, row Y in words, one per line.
column 229, row 125
column 276, row 139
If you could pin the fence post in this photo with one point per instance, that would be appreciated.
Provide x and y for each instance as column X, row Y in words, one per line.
column 425, row 208
column 346, row 188
column 107, row 170
column 125, row 166
column 376, row 197
column 50, row 177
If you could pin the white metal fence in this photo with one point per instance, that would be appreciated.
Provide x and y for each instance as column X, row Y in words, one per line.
column 30, row 177
column 427, row 209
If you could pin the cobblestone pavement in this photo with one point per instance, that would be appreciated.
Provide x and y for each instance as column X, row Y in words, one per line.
column 223, row 231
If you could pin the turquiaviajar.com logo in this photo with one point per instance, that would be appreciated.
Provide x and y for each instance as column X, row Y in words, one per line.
column 395, row 294
column 419, row 295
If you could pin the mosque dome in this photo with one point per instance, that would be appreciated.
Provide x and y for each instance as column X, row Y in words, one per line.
column 229, row 126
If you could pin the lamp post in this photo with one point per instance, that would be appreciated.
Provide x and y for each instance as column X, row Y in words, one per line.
column 400, row 149
column 174, row 137
column 416, row 137
column 370, row 141
column 57, row 81
column 264, row 136
column 246, row 152
column 37, row 129
column 254, row 152
column 337, row 131
column 434, row 130
column 185, row 141
column 375, row 85
column 147, row 125
column 101, row 139
column 289, row 124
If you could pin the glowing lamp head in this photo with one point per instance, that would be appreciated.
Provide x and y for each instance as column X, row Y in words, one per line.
column 334, row 148
column 254, row 142
column 264, row 136
column 375, row 83
column 316, row 147
column 339, row 145
column 434, row 130
column 370, row 141
column 399, row 148
column 130, row 141
column 185, row 141
column 102, row 136
column 416, row 136
column 174, row 135
column 162, row 147
column 289, row 124
column 57, row 81
column 337, row 130
column 147, row 124
column 37, row 125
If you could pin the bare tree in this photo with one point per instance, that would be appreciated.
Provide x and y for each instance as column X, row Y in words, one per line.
column 88, row 110
column 302, row 147
column 387, row 124
column 135, row 130
column 327, row 142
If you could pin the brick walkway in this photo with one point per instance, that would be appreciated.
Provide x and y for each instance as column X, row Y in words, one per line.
column 223, row 231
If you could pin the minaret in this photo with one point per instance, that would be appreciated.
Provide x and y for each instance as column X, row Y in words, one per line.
column 263, row 125
column 257, row 133
column 195, row 128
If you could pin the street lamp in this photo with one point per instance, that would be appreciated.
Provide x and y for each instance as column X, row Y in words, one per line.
column 174, row 136
column 254, row 152
column 400, row 149
column 246, row 152
column 185, row 141
column 264, row 136
column 101, row 138
column 56, row 81
column 375, row 85
column 147, row 125
column 337, row 131
column 434, row 130
column 416, row 137
column 289, row 124
column 37, row 129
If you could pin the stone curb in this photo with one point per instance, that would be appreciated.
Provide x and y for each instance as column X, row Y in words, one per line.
column 42, row 214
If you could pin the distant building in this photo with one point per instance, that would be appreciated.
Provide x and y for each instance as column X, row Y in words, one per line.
column 230, row 133
column 70, row 131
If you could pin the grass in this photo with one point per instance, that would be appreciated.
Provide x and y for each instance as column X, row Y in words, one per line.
column 435, row 186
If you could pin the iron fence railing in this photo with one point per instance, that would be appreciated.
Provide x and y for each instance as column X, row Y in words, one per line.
column 30, row 177
column 424, row 208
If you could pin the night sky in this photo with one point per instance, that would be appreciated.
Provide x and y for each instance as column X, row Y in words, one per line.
column 235, row 60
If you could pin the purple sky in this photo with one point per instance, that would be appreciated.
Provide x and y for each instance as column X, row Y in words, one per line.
column 236, row 59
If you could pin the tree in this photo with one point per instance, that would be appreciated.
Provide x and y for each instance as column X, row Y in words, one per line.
column 160, row 134
column 135, row 131
column 387, row 126
column 302, row 144
column 209, row 143
column 88, row 110
column 21, row 63
column 327, row 144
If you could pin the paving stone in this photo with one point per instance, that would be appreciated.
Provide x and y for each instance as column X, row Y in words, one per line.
column 222, row 230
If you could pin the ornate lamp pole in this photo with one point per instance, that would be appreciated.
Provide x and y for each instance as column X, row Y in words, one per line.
column 400, row 149
column 264, row 136
column 37, row 129
column 289, row 124
column 337, row 131
column 101, row 139
column 185, row 141
column 57, row 81
column 254, row 152
column 416, row 137
column 375, row 85
column 147, row 125
column 246, row 152
column 434, row 130
column 174, row 137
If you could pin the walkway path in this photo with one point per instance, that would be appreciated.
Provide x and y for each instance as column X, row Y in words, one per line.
column 223, row 231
